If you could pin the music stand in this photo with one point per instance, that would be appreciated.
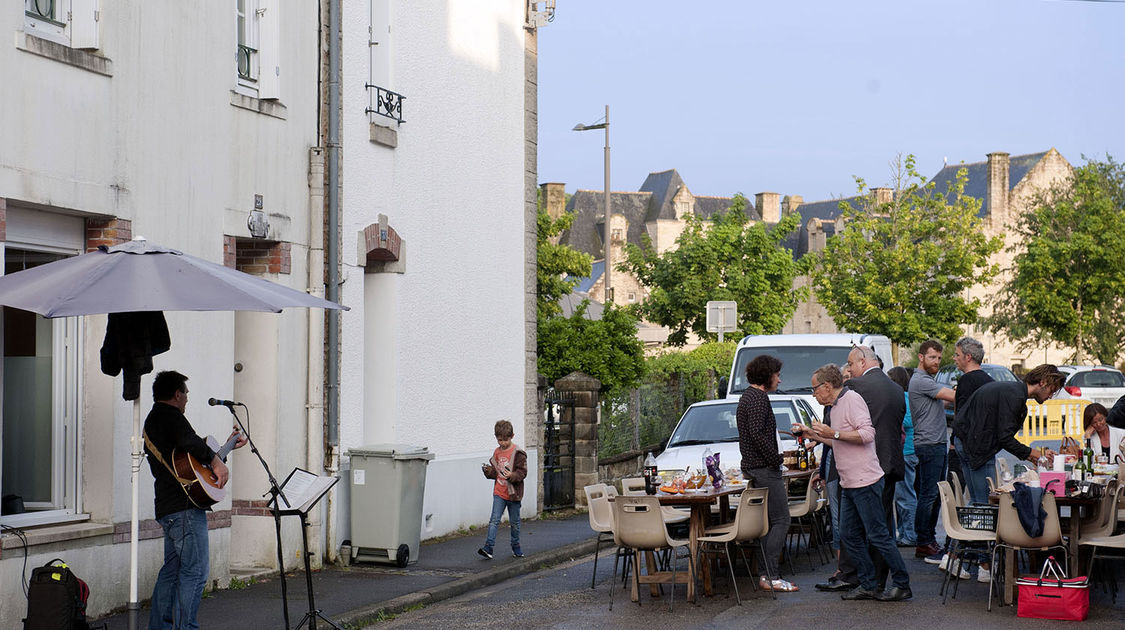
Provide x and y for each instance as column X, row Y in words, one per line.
column 305, row 490
column 274, row 491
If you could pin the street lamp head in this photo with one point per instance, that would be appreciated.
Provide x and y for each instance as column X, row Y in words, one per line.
column 581, row 127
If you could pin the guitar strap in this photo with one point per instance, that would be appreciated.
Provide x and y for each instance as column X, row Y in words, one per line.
column 160, row 458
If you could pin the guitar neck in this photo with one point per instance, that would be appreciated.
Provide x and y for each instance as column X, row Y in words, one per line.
column 226, row 448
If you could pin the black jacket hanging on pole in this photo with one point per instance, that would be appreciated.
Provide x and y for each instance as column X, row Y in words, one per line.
column 131, row 340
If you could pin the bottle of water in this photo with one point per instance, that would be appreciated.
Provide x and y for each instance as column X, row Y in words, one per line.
column 650, row 474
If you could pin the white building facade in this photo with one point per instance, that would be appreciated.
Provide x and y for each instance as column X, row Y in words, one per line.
column 175, row 121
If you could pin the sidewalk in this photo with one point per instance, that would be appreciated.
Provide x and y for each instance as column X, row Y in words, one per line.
column 358, row 594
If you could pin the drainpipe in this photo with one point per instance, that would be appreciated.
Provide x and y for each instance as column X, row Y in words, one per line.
column 332, row 252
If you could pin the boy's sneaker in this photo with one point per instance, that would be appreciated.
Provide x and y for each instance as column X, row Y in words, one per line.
column 485, row 553
column 516, row 553
column 985, row 575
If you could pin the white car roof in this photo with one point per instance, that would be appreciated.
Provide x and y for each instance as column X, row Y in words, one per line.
column 819, row 339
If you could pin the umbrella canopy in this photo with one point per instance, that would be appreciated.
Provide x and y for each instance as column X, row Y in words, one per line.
column 139, row 276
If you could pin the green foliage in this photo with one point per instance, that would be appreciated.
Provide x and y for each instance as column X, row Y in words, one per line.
column 673, row 380
column 1068, row 278
column 726, row 258
column 901, row 268
column 554, row 263
column 607, row 349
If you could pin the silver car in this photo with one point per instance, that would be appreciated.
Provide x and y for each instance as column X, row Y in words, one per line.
column 1096, row 383
column 713, row 424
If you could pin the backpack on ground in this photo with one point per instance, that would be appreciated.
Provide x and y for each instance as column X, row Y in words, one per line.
column 56, row 599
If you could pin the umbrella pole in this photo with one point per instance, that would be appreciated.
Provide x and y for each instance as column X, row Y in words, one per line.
column 134, row 605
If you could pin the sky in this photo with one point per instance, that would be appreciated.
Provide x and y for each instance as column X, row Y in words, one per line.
column 798, row 97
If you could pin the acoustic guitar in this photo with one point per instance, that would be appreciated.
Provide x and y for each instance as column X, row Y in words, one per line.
column 198, row 480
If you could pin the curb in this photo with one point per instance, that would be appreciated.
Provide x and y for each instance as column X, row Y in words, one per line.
column 367, row 615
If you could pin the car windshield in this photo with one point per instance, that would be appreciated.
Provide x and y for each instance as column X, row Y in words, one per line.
column 1001, row 374
column 708, row 424
column 797, row 365
column 1097, row 378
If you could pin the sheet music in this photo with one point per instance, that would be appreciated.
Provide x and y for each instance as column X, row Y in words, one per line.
column 302, row 489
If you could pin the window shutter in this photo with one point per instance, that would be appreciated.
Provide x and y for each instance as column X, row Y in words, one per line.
column 84, row 23
column 269, row 50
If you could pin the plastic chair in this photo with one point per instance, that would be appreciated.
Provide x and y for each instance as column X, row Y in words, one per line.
column 1106, row 539
column 639, row 525
column 957, row 487
column 1095, row 524
column 803, row 514
column 635, row 486
column 751, row 523
column 1010, row 533
column 960, row 535
column 601, row 519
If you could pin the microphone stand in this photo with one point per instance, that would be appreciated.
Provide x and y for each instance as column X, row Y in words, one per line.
column 275, row 492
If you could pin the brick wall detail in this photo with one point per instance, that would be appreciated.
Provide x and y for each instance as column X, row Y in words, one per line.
column 108, row 232
column 3, row 219
column 259, row 507
column 257, row 256
column 229, row 249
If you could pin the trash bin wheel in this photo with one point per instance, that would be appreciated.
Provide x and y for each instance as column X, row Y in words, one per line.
column 403, row 556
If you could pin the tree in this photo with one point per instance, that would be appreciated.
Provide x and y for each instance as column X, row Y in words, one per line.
column 727, row 258
column 900, row 267
column 558, row 267
column 607, row 349
column 1067, row 280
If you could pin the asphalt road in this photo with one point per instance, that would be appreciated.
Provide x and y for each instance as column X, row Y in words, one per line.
column 560, row 597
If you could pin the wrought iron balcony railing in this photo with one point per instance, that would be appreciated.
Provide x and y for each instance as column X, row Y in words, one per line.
column 384, row 102
column 247, row 63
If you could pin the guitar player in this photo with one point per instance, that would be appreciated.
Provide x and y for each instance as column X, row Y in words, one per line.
column 179, row 586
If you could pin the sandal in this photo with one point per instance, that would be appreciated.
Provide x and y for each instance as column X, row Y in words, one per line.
column 778, row 585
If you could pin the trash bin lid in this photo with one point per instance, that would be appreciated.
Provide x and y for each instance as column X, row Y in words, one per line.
column 394, row 451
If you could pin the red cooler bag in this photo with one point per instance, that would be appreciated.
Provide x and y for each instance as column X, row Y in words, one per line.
column 1051, row 596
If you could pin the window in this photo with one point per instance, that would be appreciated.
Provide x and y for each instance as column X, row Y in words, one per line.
column 72, row 23
column 40, row 408
column 632, row 297
column 257, row 33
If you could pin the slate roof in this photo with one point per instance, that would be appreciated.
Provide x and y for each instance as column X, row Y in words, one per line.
column 653, row 201
column 977, row 184
column 827, row 210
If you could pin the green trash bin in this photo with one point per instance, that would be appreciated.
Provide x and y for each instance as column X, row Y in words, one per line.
column 387, row 486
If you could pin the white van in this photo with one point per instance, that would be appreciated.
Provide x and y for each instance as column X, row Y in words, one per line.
column 800, row 356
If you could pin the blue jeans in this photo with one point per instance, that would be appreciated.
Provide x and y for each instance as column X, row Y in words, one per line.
column 975, row 478
column 499, row 504
column 179, row 586
column 863, row 522
column 833, row 490
column 930, row 470
column 906, row 501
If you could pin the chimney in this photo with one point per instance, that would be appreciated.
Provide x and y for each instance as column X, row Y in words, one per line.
column 790, row 204
column 817, row 239
column 554, row 199
column 769, row 206
column 996, row 199
column 882, row 195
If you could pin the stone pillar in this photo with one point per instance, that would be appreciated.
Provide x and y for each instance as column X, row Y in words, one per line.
column 554, row 198
column 790, row 204
column 583, row 421
column 882, row 195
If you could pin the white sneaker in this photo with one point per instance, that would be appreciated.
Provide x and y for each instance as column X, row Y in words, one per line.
column 943, row 564
column 959, row 570
column 984, row 576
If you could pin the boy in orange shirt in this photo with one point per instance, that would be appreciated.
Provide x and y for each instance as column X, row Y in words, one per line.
column 508, row 466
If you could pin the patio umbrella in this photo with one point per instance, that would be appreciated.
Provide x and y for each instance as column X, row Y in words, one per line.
column 136, row 277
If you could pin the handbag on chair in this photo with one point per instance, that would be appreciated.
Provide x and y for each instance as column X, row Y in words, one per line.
column 1057, row 597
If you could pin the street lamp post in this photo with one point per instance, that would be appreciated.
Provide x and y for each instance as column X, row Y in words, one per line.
column 606, row 245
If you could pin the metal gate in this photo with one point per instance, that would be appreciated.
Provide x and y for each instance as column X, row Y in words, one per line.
column 558, row 452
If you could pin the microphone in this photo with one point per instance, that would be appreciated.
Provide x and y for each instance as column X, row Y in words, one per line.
column 226, row 403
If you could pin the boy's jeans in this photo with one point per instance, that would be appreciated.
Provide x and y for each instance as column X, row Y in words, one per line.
column 498, row 506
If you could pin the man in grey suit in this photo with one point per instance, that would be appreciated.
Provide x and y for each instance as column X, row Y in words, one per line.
column 887, row 403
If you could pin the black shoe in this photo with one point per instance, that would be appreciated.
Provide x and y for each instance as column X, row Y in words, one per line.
column 895, row 594
column 486, row 554
column 858, row 593
column 834, row 584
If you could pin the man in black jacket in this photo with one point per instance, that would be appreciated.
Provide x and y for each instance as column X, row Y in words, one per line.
column 990, row 420
column 179, row 585
column 887, row 404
